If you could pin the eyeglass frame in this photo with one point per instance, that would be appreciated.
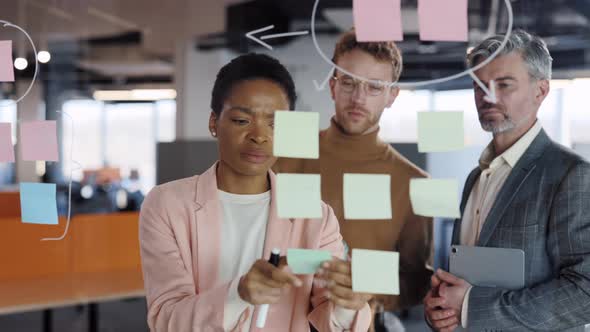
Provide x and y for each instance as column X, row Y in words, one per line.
column 357, row 82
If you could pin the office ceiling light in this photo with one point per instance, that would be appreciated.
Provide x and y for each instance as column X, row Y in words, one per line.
column 136, row 94
column 20, row 63
column 43, row 56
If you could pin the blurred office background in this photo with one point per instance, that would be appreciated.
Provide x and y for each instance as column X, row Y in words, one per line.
column 136, row 77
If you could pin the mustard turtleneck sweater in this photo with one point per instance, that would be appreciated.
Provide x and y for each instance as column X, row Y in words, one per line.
column 406, row 233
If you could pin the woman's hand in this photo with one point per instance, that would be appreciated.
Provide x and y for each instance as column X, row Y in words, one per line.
column 265, row 283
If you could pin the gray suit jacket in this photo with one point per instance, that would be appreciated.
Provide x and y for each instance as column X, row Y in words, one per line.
column 544, row 209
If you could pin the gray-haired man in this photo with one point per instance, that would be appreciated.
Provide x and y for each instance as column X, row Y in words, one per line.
column 528, row 193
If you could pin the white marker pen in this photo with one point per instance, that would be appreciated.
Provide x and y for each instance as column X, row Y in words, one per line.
column 275, row 256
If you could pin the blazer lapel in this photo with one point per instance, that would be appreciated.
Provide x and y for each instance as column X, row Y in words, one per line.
column 208, row 229
column 509, row 190
column 278, row 233
column 522, row 170
column 278, row 230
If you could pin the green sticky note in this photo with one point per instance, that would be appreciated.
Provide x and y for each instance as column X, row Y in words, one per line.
column 435, row 197
column 375, row 271
column 440, row 131
column 367, row 196
column 296, row 134
column 306, row 261
column 298, row 195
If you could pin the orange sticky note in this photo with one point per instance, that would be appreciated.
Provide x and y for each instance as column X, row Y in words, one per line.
column 38, row 141
column 443, row 20
column 377, row 20
column 6, row 69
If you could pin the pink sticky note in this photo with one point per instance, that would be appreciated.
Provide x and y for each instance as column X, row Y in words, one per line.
column 6, row 149
column 443, row 20
column 38, row 140
column 6, row 70
column 377, row 20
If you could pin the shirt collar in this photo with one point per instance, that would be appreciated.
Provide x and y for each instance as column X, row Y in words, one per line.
column 511, row 156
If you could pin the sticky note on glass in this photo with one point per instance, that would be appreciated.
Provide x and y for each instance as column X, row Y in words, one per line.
column 6, row 149
column 440, row 131
column 296, row 134
column 435, row 197
column 38, row 140
column 6, row 69
column 367, row 196
column 377, row 20
column 306, row 261
column 298, row 195
column 375, row 272
column 443, row 20
column 38, row 203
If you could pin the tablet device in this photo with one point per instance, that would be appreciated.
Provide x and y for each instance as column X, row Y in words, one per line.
column 488, row 267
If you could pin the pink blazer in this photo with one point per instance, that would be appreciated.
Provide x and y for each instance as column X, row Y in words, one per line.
column 180, row 226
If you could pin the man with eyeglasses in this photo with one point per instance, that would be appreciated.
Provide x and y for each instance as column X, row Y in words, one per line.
column 351, row 145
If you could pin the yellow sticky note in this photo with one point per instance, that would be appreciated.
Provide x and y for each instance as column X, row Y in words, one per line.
column 375, row 271
column 296, row 134
column 306, row 261
column 440, row 131
column 435, row 197
column 367, row 196
column 298, row 195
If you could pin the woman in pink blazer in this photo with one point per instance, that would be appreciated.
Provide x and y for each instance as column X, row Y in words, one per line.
column 205, row 240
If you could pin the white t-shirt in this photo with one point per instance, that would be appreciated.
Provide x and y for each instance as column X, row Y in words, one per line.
column 243, row 230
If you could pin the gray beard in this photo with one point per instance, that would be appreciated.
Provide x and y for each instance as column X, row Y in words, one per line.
column 502, row 127
column 507, row 125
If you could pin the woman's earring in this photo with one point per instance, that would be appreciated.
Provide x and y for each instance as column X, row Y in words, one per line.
column 214, row 133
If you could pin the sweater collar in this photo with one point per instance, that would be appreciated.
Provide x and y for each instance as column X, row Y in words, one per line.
column 355, row 146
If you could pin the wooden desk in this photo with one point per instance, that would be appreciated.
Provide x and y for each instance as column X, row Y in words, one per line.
column 50, row 293
column 10, row 203
column 98, row 261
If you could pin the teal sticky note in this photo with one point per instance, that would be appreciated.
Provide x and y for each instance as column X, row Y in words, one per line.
column 435, row 197
column 306, row 261
column 367, row 196
column 440, row 131
column 38, row 203
column 298, row 195
column 375, row 271
column 296, row 134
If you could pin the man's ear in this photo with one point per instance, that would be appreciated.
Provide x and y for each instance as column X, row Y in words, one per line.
column 543, row 88
column 392, row 94
column 332, row 83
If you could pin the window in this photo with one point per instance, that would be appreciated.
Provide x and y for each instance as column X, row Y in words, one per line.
column 398, row 123
column 121, row 135
column 84, row 131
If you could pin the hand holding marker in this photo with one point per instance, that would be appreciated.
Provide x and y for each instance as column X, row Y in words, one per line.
column 275, row 256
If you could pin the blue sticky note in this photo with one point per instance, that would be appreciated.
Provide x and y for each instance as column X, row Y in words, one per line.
column 38, row 203
column 306, row 261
